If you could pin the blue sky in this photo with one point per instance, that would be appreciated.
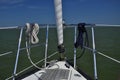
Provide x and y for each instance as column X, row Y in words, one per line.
column 18, row 12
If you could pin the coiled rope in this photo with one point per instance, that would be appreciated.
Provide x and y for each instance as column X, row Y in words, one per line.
column 31, row 32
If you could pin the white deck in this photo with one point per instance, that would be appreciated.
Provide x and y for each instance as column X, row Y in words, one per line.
column 57, row 71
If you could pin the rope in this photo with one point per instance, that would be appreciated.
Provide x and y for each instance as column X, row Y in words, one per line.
column 28, row 54
column 82, row 40
column 32, row 32
column 37, row 62
column 32, row 65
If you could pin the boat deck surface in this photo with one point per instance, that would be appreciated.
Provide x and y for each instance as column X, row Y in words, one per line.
column 55, row 74
column 57, row 71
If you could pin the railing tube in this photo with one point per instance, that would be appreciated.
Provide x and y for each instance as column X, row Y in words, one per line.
column 18, row 51
column 75, row 32
column 46, row 45
column 94, row 54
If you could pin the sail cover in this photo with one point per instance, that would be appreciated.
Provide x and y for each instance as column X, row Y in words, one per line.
column 58, row 12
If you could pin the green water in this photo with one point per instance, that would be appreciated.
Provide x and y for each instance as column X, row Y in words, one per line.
column 107, row 41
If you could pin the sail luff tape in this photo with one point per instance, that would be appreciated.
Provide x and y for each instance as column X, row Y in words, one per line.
column 58, row 12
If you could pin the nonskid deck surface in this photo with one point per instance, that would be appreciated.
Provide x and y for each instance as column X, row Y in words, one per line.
column 58, row 71
column 55, row 74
